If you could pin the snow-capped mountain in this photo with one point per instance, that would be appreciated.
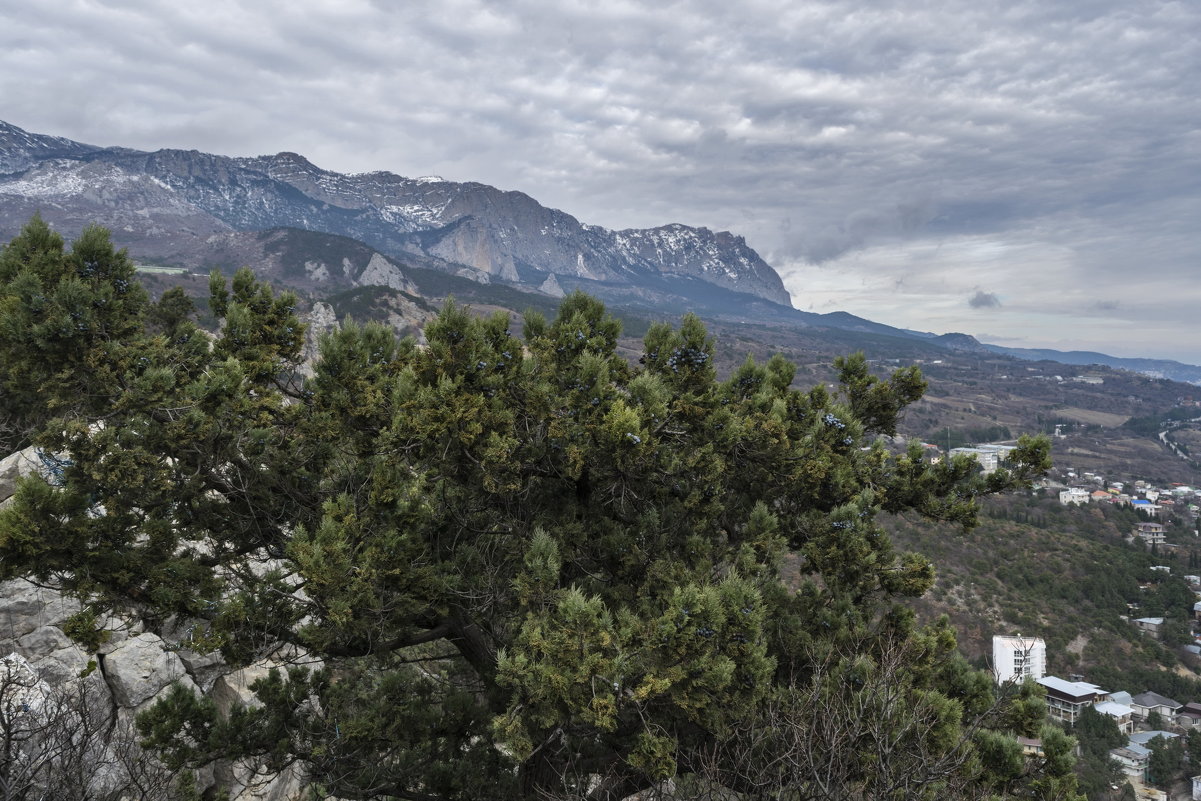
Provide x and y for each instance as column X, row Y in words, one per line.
column 170, row 203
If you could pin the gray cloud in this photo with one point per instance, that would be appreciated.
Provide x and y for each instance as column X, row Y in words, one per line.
column 1049, row 148
column 984, row 300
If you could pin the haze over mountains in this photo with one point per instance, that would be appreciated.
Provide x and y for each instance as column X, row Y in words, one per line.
column 197, row 210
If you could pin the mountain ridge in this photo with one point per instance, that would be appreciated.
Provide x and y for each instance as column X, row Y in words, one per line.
column 507, row 235
column 196, row 209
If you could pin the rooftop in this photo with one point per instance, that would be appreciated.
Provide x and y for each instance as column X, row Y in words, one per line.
column 1144, row 737
column 1150, row 699
column 1072, row 689
column 1113, row 709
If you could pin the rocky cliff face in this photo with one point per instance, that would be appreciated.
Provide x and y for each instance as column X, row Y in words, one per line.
column 173, row 200
column 69, row 715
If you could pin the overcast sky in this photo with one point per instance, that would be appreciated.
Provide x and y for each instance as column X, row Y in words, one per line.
column 1026, row 172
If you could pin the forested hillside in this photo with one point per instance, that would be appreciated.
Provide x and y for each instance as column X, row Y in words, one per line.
column 1068, row 575
column 499, row 565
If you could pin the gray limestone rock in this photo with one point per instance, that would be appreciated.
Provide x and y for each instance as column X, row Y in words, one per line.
column 140, row 668
column 551, row 287
column 25, row 607
column 15, row 465
column 42, row 641
column 382, row 272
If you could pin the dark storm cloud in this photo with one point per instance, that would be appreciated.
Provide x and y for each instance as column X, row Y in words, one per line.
column 984, row 300
column 1050, row 148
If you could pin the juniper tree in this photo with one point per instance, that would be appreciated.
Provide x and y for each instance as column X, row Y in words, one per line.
column 518, row 566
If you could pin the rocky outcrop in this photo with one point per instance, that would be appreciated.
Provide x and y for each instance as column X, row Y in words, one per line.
column 382, row 272
column 88, row 702
column 140, row 668
column 13, row 467
column 551, row 287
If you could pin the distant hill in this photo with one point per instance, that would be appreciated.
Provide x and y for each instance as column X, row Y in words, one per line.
column 1158, row 368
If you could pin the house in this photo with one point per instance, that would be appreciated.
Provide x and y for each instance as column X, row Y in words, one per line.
column 988, row 459
column 1074, row 495
column 1151, row 533
column 1001, row 450
column 1146, row 703
column 1135, row 756
column 1031, row 747
column 1101, row 496
column 1189, row 715
column 1122, row 714
column 1197, row 610
column 1015, row 658
column 1142, row 505
column 1151, row 625
column 1197, row 788
column 1066, row 699
column 1144, row 738
column 1133, row 760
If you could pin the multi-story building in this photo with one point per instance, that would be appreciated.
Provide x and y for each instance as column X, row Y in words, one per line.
column 988, row 459
column 1015, row 658
column 1066, row 699
column 1152, row 533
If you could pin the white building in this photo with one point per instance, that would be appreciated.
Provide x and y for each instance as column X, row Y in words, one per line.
column 1076, row 495
column 988, row 459
column 1015, row 658
column 1122, row 715
column 1142, row 505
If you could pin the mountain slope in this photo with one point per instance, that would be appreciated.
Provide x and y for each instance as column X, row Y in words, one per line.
column 174, row 200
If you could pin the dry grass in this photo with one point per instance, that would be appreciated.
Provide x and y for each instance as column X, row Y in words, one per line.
column 1089, row 417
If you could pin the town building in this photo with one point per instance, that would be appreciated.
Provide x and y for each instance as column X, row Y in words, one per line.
column 1143, row 505
column 988, row 459
column 1146, row 703
column 1066, row 699
column 1151, row 533
column 1189, row 715
column 1133, row 759
column 1015, row 658
column 1122, row 714
column 1075, row 495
